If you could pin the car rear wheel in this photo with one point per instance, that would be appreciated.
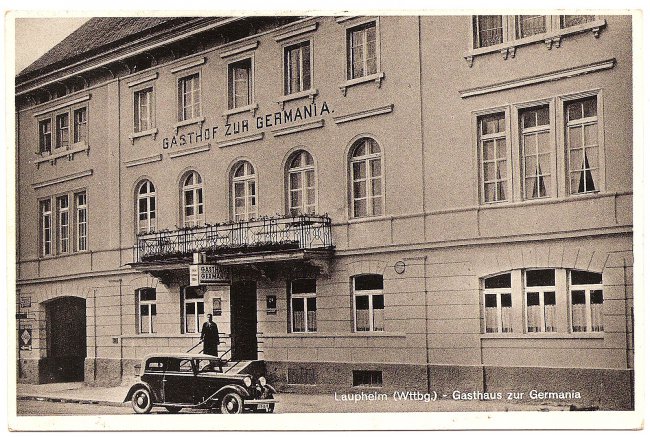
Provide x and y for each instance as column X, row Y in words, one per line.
column 232, row 403
column 141, row 401
column 174, row 409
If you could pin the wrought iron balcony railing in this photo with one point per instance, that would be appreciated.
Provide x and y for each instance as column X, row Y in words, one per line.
column 274, row 233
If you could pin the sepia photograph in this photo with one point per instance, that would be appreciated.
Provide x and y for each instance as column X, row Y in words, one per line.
column 275, row 214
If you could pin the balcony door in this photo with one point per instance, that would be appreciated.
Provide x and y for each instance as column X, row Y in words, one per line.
column 243, row 314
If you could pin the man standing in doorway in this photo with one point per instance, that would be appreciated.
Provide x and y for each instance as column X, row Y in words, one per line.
column 210, row 337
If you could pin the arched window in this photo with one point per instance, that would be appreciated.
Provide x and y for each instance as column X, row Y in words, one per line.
column 301, row 184
column 366, row 176
column 146, row 205
column 244, row 192
column 192, row 200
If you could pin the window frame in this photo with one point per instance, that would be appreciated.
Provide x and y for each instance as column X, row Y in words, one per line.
column 286, row 48
column 63, row 230
column 245, row 179
column 368, row 179
column 44, row 149
column 371, row 309
column 147, row 88
column 541, row 291
column 79, row 224
column 230, row 88
column 147, row 197
column 564, row 100
column 519, row 174
column 305, row 297
column 180, row 94
column 374, row 22
column 46, row 231
column 151, row 305
column 586, row 289
column 478, row 155
column 302, row 170
column 199, row 218
column 76, row 138
column 59, row 142
column 498, row 292
column 195, row 302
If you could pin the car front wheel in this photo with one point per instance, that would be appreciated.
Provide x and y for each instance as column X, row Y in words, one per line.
column 232, row 403
column 141, row 401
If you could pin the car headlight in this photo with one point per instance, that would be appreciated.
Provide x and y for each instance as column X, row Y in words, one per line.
column 247, row 381
column 262, row 381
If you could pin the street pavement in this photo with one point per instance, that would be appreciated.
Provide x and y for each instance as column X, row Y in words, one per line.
column 108, row 400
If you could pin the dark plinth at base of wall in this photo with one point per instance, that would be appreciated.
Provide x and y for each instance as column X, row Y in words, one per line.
column 605, row 389
column 103, row 372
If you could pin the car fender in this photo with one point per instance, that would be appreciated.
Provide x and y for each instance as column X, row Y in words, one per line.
column 228, row 388
column 270, row 388
column 136, row 386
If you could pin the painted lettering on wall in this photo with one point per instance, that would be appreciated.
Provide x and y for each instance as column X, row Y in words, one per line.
column 266, row 121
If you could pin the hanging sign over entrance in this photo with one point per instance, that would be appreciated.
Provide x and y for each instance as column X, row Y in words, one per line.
column 206, row 274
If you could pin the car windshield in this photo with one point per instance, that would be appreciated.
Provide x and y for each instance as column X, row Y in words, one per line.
column 209, row 366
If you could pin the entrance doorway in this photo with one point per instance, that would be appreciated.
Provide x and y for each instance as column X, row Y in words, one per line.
column 243, row 320
column 66, row 339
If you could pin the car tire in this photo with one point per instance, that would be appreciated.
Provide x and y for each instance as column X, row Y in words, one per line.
column 141, row 401
column 174, row 409
column 232, row 403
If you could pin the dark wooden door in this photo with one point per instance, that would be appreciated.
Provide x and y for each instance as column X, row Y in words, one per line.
column 243, row 318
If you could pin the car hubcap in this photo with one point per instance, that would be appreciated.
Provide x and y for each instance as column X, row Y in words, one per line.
column 142, row 401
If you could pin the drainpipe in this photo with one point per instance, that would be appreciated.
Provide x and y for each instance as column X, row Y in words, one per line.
column 119, row 282
column 426, row 325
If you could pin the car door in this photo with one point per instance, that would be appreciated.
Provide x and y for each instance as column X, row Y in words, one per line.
column 207, row 381
column 154, row 374
column 178, row 383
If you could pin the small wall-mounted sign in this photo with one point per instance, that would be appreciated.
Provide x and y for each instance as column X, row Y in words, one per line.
column 400, row 267
column 205, row 274
column 25, row 338
column 271, row 304
column 25, row 301
column 216, row 306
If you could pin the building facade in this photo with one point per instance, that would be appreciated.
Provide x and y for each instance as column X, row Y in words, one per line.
column 433, row 203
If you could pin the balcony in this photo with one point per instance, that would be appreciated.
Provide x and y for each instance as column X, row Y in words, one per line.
column 232, row 241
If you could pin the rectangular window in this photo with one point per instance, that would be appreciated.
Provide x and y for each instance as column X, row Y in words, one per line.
column 81, row 208
column 240, row 83
column 586, row 302
column 540, row 301
column 371, row 378
column 45, row 135
column 63, row 223
column 528, row 25
column 537, row 152
column 493, row 157
column 303, row 305
column 368, row 302
column 189, row 97
column 574, row 20
column 142, row 110
column 488, row 30
column 582, row 145
column 193, row 310
column 297, row 67
column 62, row 130
column 498, row 303
column 147, row 310
column 80, row 125
column 362, row 50
column 45, row 208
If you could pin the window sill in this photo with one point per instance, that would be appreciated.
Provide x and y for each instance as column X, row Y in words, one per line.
column 252, row 108
column 68, row 151
column 552, row 38
column 62, row 255
column 196, row 120
column 311, row 93
column 544, row 335
column 374, row 218
column 153, row 132
column 377, row 78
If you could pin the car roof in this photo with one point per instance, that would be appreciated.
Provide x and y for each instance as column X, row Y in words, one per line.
column 184, row 355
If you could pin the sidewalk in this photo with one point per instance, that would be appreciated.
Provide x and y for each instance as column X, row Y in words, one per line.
column 78, row 392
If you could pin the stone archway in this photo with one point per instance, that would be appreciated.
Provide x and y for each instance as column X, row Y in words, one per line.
column 65, row 322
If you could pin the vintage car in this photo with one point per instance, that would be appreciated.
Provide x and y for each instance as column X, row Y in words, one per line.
column 177, row 381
